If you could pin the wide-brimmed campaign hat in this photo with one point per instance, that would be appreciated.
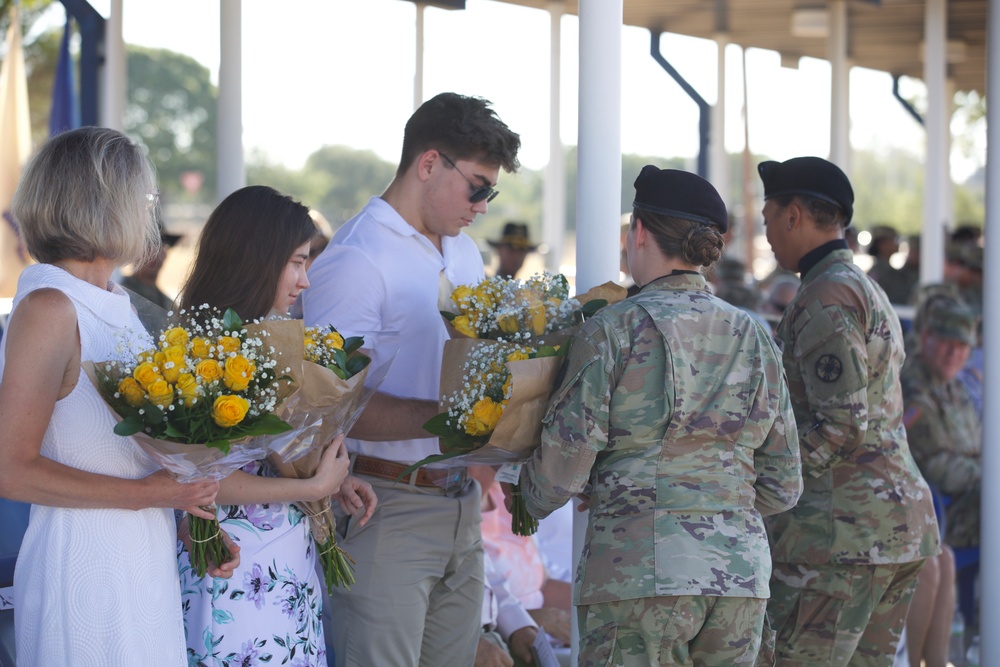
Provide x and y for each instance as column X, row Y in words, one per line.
column 515, row 234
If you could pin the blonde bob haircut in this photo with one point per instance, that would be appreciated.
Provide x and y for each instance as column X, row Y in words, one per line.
column 88, row 194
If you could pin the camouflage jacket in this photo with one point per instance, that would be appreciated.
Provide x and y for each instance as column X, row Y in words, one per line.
column 864, row 500
column 946, row 436
column 674, row 410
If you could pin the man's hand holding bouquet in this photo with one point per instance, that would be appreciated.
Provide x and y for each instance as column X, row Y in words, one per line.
column 194, row 401
column 498, row 370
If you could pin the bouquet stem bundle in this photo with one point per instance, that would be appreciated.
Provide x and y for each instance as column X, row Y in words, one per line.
column 522, row 523
column 338, row 566
column 206, row 543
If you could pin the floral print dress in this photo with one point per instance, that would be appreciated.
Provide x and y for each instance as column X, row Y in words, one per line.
column 269, row 612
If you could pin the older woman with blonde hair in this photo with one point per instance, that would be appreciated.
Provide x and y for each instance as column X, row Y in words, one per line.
column 96, row 578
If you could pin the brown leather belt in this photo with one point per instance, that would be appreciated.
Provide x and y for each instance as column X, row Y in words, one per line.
column 438, row 478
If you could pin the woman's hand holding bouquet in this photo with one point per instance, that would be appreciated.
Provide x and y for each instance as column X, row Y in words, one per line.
column 193, row 401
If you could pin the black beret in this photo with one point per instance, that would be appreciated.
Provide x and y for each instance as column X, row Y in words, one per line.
column 680, row 194
column 810, row 176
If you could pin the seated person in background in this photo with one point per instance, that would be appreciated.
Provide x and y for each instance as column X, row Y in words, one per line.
column 944, row 432
column 143, row 278
column 885, row 244
column 518, row 560
column 508, row 630
column 780, row 293
column 512, row 248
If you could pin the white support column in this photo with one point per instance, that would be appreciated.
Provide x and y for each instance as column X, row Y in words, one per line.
column 840, row 71
column 598, row 198
column 936, row 170
column 989, row 530
column 231, row 174
column 948, row 185
column 418, row 71
column 554, row 188
column 114, row 79
column 599, row 170
column 718, row 165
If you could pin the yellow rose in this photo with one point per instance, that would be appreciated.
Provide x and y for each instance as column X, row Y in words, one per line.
column 507, row 323
column 175, row 336
column 209, row 370
column 228, row 344
column 537, row 314
column 188, row 389
column 484, row 417
column 239, row 371
column 464, row 326
column 160, row 393
column 131, row 391
column 171, row 362
column 146, row 373
column 518, row 355
column 228, row 410
column 484, row 297
column 461, row 297
column 199, row 348
column 333, row 340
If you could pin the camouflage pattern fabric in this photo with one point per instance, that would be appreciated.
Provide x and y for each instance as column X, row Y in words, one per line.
column 674, row 410
column 864, row 500
column 946, row 435
column 896, row 283
column 683, row 630
column 832, row 615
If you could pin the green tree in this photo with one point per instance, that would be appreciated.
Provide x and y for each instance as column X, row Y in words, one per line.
column 171, row 111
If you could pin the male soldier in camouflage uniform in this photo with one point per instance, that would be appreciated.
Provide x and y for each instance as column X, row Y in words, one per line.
column 942, row 423
column 847, row 556
column 674, row 411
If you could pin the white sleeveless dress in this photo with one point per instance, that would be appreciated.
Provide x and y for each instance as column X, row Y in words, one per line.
column 95, row 586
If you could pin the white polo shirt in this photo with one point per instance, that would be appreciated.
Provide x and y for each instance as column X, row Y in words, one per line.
column 380, row 278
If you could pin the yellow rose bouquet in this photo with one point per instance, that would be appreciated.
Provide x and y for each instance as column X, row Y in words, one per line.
column 195, row 400
column 513, row 310
column 336, row 381
column 494, row 406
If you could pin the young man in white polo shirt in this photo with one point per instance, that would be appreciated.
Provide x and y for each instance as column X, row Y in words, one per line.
column 418, row 594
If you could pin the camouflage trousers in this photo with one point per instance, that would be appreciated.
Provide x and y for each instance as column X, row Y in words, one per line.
column 834, row 615
column 671, row 630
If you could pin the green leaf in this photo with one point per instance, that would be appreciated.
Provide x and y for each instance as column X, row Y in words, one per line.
column 437, row 425
column 171, row 431
column 340, row 358
column 448, row 316
column 154, row 415
column 341, row 373
column 131, row 425
column 588, row 309
column 353, row 343
column 269, row 424
column 357, row 363
column 231, row 321
column 221, row 444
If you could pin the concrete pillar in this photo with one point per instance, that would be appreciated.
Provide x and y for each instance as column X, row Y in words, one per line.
column 936, row 170
column 418, row 59
column 599, row 170
column 840, row 70
column 718, row 165
column 231, row 174
column 554, row 188
column 989, row 535
column 114, row 79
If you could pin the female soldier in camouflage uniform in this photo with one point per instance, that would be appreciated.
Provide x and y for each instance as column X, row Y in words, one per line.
column 675, row 413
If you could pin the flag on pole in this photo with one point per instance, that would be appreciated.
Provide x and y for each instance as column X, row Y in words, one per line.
column 65, row 114
column 15, row 147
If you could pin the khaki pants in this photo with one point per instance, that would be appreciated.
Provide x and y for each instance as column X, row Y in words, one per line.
column 671, row 630
column 418, row 595
column 834, row 615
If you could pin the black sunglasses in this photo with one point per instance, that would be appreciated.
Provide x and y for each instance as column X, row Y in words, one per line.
column 477, row 193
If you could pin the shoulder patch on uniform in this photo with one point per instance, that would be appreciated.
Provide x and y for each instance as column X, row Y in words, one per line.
column 911, row 416
column 829, row 368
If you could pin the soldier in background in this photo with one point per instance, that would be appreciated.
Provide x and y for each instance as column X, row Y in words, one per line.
column 846, row 558
column 944, row 431
column 675, row 416
column 512, row 249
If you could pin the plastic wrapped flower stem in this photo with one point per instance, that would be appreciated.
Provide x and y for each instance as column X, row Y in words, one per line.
column 207, row 545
